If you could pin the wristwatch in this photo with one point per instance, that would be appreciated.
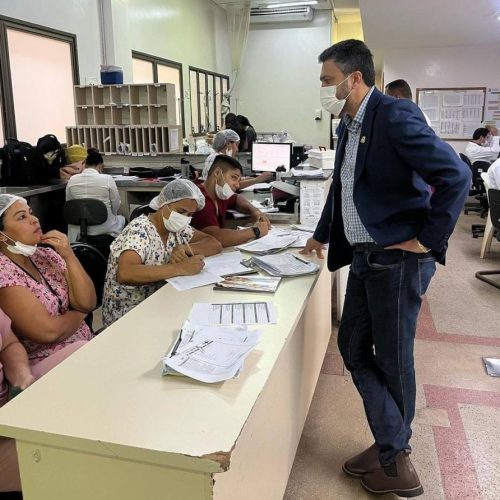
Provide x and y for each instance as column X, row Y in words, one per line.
column 422, row 247
column 256, row 231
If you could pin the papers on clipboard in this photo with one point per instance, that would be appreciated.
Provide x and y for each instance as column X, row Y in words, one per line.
column 209, row 354
column 216, row 267
column 234, row 313
column 284, row 265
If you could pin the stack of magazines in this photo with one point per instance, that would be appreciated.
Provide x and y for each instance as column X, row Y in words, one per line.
column 284, row 265
column 210, row 354
column 267, row 284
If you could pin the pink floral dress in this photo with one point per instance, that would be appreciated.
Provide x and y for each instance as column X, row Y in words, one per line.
column 54, row 296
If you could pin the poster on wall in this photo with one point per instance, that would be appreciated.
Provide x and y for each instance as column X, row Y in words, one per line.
column 492, row 107
column 454, row 112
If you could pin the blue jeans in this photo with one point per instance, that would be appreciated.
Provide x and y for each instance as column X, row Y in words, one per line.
column 376, row 337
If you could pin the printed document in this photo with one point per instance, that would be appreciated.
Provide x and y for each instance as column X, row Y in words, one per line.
column 238, row 313
column 209, row 354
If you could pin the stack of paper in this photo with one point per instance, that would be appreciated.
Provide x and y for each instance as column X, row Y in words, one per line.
column 269, row 244
column 209, row 354
column 286, row 264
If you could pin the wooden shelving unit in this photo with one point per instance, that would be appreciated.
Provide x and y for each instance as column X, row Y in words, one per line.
column 138, row 119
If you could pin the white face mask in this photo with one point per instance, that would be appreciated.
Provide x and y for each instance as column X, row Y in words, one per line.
column 329, row 100
column 20, row 248
column 176, row 222
column 229, row 152
column 223, row 192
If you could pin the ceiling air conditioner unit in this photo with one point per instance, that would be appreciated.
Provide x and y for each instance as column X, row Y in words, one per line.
column 281, row 15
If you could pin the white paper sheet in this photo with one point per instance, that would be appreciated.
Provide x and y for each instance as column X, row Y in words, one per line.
column 225, row 264
column 205, row 277
column 237, row 313
column 260, row 185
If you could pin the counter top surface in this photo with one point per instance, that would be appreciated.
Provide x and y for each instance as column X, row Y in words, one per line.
column 110, row 398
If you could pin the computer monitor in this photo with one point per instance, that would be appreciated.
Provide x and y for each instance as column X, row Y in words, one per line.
column 267, row 157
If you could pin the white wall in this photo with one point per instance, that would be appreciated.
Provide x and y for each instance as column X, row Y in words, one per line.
column 191, row 32
column 278, row 86
column 435, row 67
column 79, row 17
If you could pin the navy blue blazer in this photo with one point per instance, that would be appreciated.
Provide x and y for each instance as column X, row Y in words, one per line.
column 399, row 157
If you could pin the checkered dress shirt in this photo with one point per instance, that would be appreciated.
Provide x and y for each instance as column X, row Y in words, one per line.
column 353, row 227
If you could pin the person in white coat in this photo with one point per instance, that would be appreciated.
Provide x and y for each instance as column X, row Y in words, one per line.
column 482, row 148
column 92, row 183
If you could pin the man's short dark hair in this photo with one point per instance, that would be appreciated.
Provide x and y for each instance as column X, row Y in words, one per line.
column 480, row 132
column 225, row 163
column 349, row 56
column 400, row 86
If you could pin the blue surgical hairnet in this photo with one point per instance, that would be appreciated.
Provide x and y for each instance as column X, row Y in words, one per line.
column 180, row 189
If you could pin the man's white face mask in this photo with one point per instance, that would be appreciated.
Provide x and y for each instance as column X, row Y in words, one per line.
column 329, row 100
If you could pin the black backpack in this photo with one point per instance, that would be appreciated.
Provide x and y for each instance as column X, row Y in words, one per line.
column 19, row 166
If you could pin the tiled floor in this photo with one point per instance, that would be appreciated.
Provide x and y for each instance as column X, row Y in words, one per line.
column 456, row 431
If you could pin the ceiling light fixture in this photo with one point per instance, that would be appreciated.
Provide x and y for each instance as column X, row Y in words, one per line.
column 291, row 4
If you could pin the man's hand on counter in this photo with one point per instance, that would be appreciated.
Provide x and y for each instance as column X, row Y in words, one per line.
column 313, row 246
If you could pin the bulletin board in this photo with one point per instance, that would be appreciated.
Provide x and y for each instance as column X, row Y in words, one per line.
column 454, row 112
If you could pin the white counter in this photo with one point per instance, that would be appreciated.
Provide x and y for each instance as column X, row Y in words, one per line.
column 105, row 425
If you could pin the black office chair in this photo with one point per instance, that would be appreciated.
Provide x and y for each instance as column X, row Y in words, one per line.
column 141, row 210
column 494, row 197
column 478, row 191
column 11, row 495
column 87, row 212
column 95, row 265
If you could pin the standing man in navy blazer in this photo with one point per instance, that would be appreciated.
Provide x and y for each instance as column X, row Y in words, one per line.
column 381, row 219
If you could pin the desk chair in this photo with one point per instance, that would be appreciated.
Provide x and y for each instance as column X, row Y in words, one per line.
column 489, row 230
column 476, row 187
column 89, row 212
column 142, row 210
column 95, row 265
column 479, row 192
column 494, row 197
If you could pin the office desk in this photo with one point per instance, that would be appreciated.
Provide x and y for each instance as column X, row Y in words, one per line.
column 105, row 425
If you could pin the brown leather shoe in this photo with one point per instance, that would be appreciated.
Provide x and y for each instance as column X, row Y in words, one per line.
column 399, row 478
column 365, row 462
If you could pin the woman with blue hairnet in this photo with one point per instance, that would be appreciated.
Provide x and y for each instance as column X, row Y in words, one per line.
column 155, row 247
column 226, row 142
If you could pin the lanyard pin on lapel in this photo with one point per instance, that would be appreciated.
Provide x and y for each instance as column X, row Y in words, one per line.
column 362, row 140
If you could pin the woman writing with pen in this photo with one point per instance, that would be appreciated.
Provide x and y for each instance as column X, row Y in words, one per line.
column 219, row 189
column 155, row 247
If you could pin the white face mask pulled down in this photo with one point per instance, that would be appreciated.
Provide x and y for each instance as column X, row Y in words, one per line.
column 223, row 192
column 176, row 222
column 329, row 100
column 20, row 248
